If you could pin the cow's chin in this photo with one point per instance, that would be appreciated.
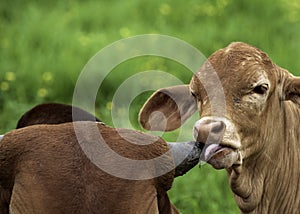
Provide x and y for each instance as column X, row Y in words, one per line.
column 221, row 157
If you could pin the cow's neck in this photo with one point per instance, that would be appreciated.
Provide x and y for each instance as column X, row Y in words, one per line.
column 271, row 182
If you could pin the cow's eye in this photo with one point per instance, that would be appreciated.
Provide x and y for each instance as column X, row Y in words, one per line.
column 193, row 94
column 261, row 89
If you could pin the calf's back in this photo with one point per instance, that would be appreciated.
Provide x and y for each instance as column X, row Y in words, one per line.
column 46, row 170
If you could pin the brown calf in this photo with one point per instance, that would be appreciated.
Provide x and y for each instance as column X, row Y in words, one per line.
column 61, row 169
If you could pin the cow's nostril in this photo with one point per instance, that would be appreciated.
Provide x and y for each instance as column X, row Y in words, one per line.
column 217, row 126
column 209, row 130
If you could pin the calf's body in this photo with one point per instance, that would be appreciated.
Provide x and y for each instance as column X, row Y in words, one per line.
column 54, row 163
column 46, row 171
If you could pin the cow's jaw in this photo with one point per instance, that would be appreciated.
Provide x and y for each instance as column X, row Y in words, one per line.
column 221, row 151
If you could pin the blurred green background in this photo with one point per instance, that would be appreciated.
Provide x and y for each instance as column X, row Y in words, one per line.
column 44, row 45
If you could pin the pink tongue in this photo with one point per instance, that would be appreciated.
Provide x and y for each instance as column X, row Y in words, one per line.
column 211, row 150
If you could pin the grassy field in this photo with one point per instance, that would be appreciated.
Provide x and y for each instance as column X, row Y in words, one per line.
column 44, row 45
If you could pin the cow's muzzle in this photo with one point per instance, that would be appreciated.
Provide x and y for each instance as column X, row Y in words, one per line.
column 220, row 142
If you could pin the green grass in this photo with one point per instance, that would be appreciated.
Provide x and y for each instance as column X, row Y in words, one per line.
column 203, row 190
column 45, row 45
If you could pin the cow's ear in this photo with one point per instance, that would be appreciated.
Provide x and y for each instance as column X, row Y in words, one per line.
column 292, row 90
column 167, row 109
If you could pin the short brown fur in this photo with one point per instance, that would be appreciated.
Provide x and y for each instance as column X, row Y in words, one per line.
column 54, row 113
column 46, row 171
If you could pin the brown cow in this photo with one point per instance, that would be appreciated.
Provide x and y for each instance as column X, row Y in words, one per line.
column 250, row 120
column 53, row 169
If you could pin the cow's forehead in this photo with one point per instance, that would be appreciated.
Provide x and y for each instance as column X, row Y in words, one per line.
column 237, row 63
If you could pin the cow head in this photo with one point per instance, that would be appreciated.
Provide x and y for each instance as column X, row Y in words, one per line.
column 237, row 92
